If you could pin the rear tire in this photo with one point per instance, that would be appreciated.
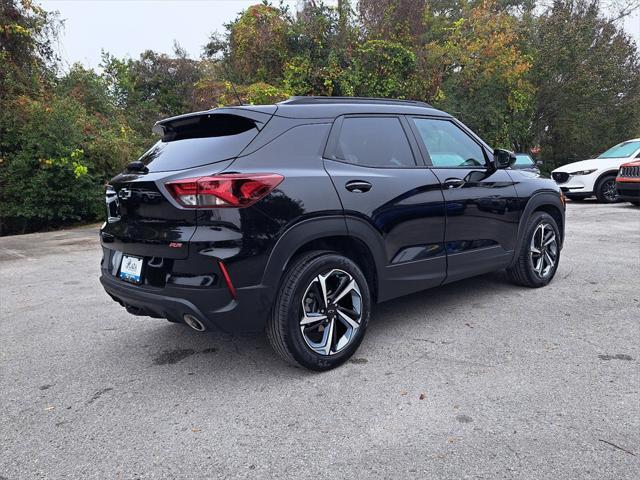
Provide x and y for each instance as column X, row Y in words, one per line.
column 606, row 190
column 539, row 254
column 321, row 311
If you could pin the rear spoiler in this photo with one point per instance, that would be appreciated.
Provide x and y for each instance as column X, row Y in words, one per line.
column 170, row 127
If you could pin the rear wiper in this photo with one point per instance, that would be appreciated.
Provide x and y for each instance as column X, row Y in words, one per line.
column 136, row 166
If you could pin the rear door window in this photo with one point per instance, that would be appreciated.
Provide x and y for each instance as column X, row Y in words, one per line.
column 200, row 140
column 374, row 142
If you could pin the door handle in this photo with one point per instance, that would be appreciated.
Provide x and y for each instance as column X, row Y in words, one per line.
column 358, row 186
column 450, row 183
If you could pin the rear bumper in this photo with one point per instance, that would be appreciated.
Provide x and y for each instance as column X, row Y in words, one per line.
column 214, row 307
column 629, row 191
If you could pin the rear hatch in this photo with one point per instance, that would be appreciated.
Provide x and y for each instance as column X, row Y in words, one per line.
column 143, row 220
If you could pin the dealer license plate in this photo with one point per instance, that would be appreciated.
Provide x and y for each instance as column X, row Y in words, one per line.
column 131, row 269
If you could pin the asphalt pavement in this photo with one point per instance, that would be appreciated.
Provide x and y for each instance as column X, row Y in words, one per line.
column 477, row 379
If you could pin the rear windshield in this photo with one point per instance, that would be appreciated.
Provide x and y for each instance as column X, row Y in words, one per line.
column 198, row 141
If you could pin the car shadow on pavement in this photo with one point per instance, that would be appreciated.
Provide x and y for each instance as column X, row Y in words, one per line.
column 629, row 206
column 428, row 305
column 175, row 347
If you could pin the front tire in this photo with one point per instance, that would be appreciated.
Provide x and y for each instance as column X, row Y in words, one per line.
column 321, row 311
column 539, row 254
column 606, row 191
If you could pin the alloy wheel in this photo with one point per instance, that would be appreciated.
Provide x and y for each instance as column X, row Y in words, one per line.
column 331, row 312
column 609, row 191
column 543, row 250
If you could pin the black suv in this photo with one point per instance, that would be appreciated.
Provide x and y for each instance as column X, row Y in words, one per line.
column 297, row 217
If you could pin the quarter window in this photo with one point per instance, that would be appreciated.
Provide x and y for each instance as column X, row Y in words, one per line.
column 448, row 145
column 374, row 142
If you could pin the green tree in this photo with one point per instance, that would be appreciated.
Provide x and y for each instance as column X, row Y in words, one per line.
column 258, row 44
column 153, row 87
column 61, row 137
column 384, row 69
column 46, row 180
column 26, row 60
column 486, row 81
column 27, row 56
column 322, row 43
column 588, row 79
column 398, row 20
column 565, row 78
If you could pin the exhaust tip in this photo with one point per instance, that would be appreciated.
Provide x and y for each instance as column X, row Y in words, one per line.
column 194, row 323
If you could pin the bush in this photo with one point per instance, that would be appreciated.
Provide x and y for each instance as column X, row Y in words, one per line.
column 384, row 69
column 48, row 192
column 45, row 178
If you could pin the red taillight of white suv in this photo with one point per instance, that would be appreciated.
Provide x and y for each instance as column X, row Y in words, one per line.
column 233, row 190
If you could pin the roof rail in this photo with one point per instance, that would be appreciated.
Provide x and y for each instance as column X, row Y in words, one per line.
column 318, row 100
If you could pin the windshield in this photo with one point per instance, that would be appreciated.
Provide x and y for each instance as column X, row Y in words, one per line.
column 523, row 160
column 622, row 150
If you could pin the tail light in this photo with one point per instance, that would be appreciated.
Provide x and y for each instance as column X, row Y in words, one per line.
column 233, row 190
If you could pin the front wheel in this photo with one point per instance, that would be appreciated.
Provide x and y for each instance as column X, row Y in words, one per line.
column 321, row 311
column 539, row 254
column 606, row 191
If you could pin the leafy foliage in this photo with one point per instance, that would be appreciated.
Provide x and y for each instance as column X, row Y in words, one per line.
column 564, row 79
column 258, row 44
column 588, row 80
column 383, row 68
column 486, row 81
column 47, row 182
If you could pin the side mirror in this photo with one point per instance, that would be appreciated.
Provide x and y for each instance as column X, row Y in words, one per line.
column 503, row 158
column 539, row 163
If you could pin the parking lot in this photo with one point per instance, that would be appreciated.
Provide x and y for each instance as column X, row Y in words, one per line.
column 478, row 379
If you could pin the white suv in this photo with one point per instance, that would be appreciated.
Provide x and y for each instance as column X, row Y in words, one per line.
column 580, row 180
